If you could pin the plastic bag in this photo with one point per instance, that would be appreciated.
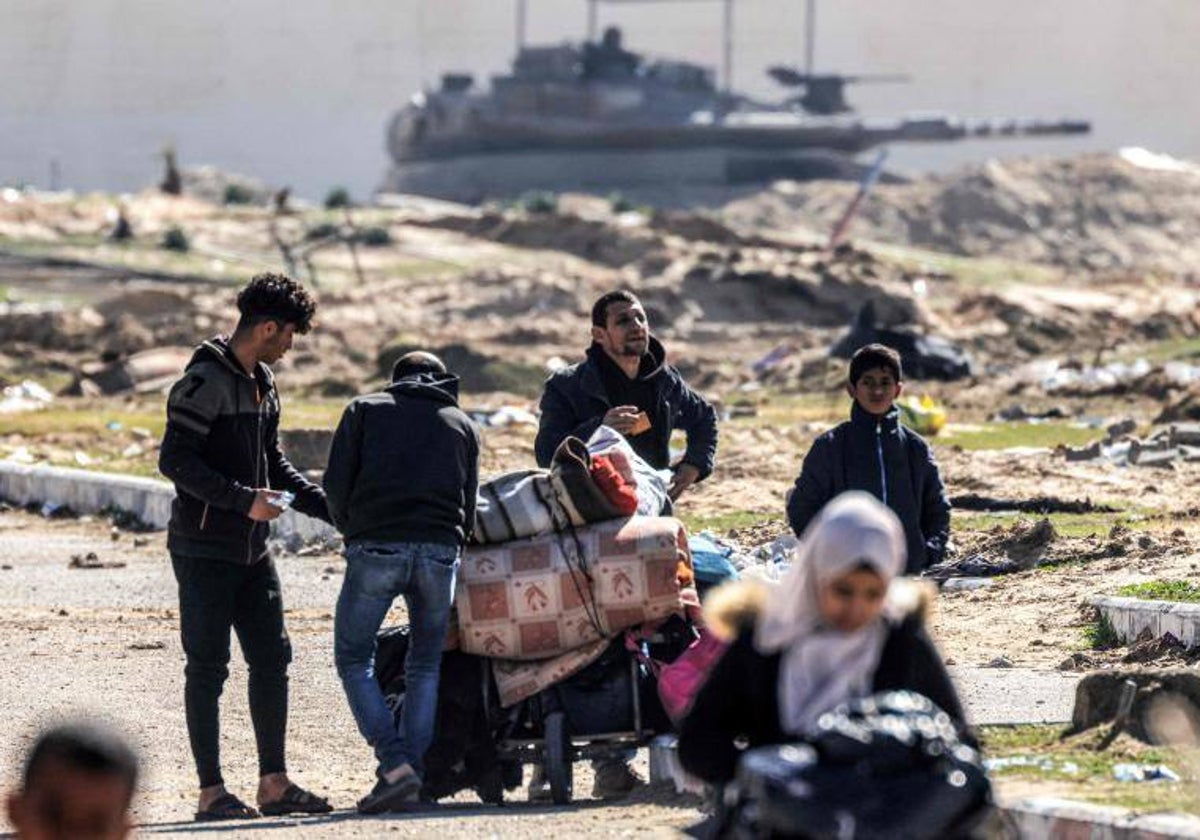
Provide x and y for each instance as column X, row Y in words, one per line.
column 651, row 484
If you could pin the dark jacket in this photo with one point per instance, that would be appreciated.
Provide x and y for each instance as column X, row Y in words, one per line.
column 404, row 465
column 221, row 444
column 575, row 402
column 887, row 460
column 741, row 697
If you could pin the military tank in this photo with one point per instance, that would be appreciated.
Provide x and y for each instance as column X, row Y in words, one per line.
column 598, row 117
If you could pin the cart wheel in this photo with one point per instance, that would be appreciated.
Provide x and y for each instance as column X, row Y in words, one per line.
column 558, row 758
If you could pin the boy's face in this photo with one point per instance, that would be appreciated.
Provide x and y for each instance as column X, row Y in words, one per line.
column 65, row 803
column 875, row 391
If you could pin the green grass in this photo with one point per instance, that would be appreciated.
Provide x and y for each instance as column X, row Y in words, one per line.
column 1100, row 634
column 1010, row 435
column 67, row 419
column 1078, row 770
column 1174, row 349
column 1163, row 590
column 721, row 523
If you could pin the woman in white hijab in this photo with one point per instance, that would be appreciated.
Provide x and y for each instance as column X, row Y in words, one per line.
column 839, row 625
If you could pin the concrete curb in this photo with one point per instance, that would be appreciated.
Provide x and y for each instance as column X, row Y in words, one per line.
column 85, row 491
column 1062, row 819
column 1130, row 617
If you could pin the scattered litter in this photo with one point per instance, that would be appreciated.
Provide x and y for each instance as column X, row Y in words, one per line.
column 55, row 510
column 773, row 359
column 965, row 584
column 925, row 416
column 1039, row 762
column 82, row 458
column 1077, row 662
column 134, row 450
column 28, row 396
column 713, row 559
column 1018, row 413
column 1144, row 773
column 21, row 455
column 511, row 416
column 92, row 561
column 140, row 542
column 148, row 646
column 113, row 425
column 999, row 662
column 6, row 568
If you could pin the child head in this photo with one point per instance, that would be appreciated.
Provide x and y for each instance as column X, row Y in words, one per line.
column 78, row 781
column 876, row 379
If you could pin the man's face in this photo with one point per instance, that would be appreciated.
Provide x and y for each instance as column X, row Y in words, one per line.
column 875, row 391
column 276, row 340
column 626, row 332
column 64, row 803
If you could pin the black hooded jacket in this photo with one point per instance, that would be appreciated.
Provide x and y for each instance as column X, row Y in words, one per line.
column 404, row 466
column 221, row 443
column 893, row 464
column 575, row 402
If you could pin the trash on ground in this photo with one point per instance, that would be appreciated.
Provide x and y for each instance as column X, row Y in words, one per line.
column 965, row 584
column 925, row 416
column 92, row 561
column 921, row 356
column 27, row 396
column 1144, row 773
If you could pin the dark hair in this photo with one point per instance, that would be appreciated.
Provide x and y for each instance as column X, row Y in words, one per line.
column 875, row 356
column 82, row 746
column 275, row 297
column 600, row 307
column 418, row 361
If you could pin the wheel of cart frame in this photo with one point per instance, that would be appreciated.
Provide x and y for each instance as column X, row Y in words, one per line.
column 558, row 758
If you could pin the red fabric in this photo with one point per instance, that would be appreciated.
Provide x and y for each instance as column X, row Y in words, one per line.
column 613, row 485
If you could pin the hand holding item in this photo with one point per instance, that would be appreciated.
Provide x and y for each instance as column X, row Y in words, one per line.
column 268, row 505
column 627, row 420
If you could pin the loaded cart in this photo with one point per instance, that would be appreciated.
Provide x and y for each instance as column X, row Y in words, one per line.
column 604, row 710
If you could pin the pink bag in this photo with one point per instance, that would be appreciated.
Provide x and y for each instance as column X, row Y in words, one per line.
column 680, row 681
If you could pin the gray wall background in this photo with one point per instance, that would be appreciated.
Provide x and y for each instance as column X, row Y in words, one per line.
column 299, row 91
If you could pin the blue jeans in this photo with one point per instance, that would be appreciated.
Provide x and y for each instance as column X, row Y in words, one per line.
column 376, row 573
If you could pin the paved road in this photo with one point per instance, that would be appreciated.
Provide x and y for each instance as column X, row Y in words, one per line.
column 1016, row 695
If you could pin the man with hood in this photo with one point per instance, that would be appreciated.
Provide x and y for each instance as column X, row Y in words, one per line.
column 626, row 384
column 402, row 480
column 221, row 449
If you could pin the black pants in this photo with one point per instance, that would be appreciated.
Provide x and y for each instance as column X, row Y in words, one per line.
column 215, row 596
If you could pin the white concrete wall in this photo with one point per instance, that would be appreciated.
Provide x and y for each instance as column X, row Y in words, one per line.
column 298, row 91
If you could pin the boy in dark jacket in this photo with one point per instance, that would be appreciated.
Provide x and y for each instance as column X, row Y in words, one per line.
column 402, row 481
column 221, row 449
column 873, row 452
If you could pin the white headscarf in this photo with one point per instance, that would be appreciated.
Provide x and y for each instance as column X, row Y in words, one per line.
column 821, row 667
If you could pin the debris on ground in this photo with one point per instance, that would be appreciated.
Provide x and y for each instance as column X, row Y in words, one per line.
column 92, row 561
column 1037, row 505
column 922, row 356
column 27, row 396
column 1144, row 773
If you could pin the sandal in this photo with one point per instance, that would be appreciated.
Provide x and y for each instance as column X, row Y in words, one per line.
column 296, row 800
column 227, row 807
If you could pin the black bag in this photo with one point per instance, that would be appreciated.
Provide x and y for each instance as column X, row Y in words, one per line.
column 463, row 752
column 888, row 766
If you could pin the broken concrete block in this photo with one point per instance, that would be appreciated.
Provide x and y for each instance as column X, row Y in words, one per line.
column 1145, row 457
column 1185, row 434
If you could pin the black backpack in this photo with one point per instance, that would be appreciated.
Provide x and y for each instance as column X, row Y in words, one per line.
column 888, row 766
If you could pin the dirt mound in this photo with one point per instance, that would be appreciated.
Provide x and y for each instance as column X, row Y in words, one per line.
column 590, row 239
column 1092, row 211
